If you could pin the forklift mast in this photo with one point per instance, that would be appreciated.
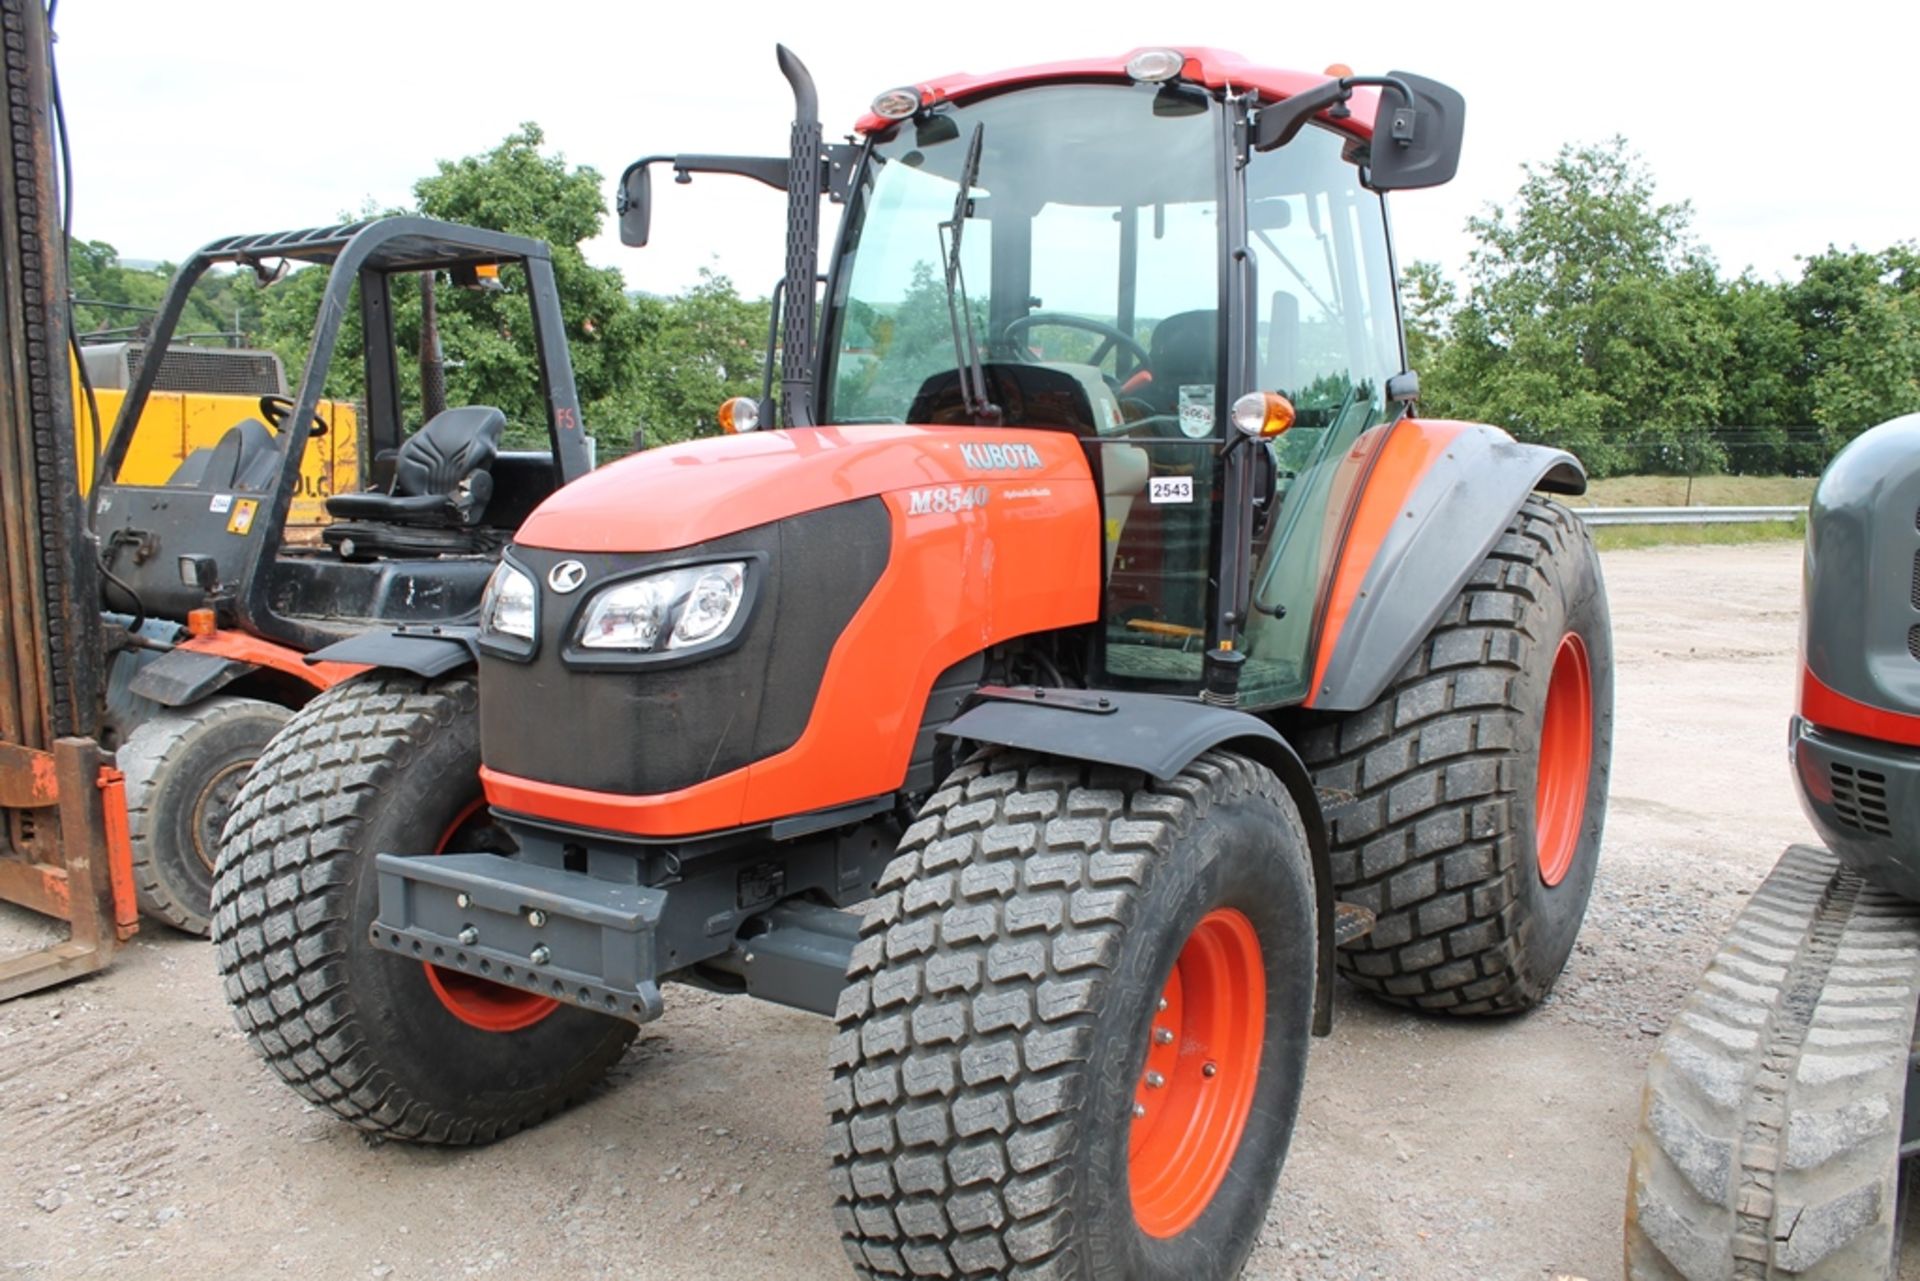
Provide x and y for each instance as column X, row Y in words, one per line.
column 63, row 847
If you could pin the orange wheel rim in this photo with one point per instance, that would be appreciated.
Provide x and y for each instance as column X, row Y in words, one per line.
column 478, row 1002
column 1566, row 761
column 1193, row 1098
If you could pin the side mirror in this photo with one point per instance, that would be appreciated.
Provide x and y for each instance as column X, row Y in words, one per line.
column 1416, row 144
column 634, row 203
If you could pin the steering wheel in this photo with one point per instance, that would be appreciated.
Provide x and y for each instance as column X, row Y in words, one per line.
column 1129, row 346
column 277, row 409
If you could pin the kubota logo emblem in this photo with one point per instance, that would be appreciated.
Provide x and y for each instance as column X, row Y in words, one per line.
column 983, row 457
column 566, row 576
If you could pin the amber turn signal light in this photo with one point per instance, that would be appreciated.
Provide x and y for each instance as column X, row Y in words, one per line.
column 1263, row 413
column 200, row 622
column 741, row 413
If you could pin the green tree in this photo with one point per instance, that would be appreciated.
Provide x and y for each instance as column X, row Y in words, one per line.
column 1590, row 320
column 704, row 346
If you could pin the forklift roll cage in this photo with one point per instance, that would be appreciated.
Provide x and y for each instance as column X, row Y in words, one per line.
column 368, row 254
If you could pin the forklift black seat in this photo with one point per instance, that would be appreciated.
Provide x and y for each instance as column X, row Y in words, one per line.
column 243, row 459
column 442, row 476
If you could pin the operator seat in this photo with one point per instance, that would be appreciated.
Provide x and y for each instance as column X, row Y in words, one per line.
column 1184, row 351
column 243, row 460
column 441, row 484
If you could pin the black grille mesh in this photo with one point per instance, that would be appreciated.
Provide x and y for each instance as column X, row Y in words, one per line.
column 1913, row 640
column 242, row 373
column 1860, row 799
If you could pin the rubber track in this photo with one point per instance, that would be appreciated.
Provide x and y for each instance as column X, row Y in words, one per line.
column 959, row 1064
column 1771, row 1120
column 278, row 916
column 1419, row 789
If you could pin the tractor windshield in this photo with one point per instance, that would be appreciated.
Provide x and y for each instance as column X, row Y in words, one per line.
column 1091, row 249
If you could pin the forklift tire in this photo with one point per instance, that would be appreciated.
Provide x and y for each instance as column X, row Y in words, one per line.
column 1075, row 1027
column 383, row 762
column 1465, row 806
column 184, row 766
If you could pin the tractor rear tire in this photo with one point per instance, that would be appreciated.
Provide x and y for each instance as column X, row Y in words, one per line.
column 1465, row 806
column 183, row 768
column 1075, row 1029
column 383, row 762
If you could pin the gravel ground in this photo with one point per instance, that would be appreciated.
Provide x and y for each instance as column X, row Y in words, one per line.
column 141, row 1138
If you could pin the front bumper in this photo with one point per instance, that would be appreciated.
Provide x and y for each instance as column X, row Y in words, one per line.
column 563, row 934
column 1863, row 797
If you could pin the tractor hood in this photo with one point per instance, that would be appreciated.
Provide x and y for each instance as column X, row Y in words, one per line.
column 679, row 495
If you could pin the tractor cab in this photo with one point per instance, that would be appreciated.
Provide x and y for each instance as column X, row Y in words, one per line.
column 1129, row 263
column 304, row 520
column 1127, row 253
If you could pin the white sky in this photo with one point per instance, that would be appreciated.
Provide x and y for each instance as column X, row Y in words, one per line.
column 1785, row 126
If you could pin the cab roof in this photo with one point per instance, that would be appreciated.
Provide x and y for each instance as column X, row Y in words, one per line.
column 1213, row 68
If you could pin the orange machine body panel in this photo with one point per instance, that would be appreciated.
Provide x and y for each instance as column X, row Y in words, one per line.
column 1403, row 460
column 995, row 534
column 244, row 648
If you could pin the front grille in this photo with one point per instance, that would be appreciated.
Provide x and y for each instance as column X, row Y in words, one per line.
column 1914, row 595
column 1913, row 640
column 1860, row 799
column 213, row 370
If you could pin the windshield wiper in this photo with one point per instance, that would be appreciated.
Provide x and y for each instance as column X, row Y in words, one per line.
column 973, row 374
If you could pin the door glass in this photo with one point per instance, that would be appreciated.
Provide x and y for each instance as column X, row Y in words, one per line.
column 1328, row 338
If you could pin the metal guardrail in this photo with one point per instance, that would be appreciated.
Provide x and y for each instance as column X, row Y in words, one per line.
column 1687, row 515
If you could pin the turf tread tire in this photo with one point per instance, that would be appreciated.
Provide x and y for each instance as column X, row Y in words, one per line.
column 282, row 907
column 962, row 1053
column 1421, row 790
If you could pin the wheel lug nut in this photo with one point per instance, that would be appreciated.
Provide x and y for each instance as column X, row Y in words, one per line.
column 1155, row 1080
column 540, row 955
column 463, row 899
column 1162, row 1007
column 1139, row 1110
column 1208, row 1070
column 1161, row 1036
column 468, row 936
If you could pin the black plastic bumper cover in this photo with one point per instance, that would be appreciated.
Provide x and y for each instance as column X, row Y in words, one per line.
column 1863, row 797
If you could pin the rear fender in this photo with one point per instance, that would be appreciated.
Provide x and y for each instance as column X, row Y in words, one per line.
column 427, row 652
column 1160, row 736
column 1435, row 502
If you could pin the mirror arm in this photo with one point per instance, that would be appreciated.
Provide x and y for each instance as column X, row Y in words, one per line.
column 1279, row 123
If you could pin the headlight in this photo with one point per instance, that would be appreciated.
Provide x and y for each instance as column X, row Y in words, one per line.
column 674, row 609
column 507, row 607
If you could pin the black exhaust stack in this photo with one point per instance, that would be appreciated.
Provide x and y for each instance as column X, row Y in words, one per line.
column 803, row 244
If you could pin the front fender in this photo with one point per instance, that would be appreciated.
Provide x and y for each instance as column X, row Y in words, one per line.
column 427, row 652
column 1160, row 736
column 1435, row 503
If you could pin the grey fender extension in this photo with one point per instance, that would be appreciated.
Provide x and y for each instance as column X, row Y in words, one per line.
column 1453, row 518
column 1162, row 736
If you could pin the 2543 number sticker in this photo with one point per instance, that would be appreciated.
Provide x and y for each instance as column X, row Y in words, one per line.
column 1170, row 489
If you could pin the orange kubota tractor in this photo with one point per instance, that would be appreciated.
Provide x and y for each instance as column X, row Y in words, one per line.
column 1103, row 619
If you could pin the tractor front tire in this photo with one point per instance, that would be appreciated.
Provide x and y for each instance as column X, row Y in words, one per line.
column 1075, row 1029
column 1465, row 805
column 183, row 769
column 383, row 762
